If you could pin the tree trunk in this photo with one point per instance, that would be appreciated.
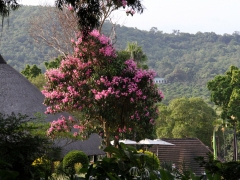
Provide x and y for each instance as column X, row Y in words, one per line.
column 107, row 136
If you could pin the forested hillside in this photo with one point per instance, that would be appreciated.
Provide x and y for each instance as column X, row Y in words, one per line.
column 188, row 61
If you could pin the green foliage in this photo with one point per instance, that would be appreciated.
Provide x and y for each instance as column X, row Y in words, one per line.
column 7, row 174
column 53, row 64
column 186, row 117
column 71, row 159
column 39, row 81
column 18, row 147
column 31, row 71
column 226, row 151
column 151, row 159
column 221, row 170
column 225, row 93
column 125, row 163
column 136, row 53
column 42, row 168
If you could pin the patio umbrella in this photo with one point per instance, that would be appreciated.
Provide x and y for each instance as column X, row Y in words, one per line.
column 155, row 141
column 161, row 142
column 125, row 141
column 147, row 142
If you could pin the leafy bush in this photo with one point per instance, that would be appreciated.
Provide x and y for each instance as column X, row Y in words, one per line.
column 125, row 163
column 71, row 159
column 151, row 159
column 18, row 146
column 225, row 170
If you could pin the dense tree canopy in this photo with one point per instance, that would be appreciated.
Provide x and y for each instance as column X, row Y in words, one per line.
column 225, row 93
column 186, row 118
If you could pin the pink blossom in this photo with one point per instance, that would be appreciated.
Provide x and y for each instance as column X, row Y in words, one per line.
column 147, row 114
column 98, row 96
column 124, row 3
column 103, row 39
column 119, row 130
column 95, row 33
column 76, row 49
column 70, row 8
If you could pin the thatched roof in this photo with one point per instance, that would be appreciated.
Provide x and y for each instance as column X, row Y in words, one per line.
column 2, row 61
column 182, row 154
column 18, row 95
column 89, row 146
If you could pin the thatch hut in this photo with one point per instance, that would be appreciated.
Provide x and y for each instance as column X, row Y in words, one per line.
column 18, row 95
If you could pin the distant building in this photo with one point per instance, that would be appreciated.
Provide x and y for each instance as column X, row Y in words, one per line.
column 160, row 80
column 182, row 154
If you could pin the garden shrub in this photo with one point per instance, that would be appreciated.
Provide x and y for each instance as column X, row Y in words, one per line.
column 72, row 158
column 151, row 160
column 19, row 146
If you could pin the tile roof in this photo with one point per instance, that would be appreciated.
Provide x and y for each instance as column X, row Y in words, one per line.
column 182, row 153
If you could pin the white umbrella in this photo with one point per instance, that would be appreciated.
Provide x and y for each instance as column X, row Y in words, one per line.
column 161, row 142
column 148, row 141
column 155, row 141
column 125, row 141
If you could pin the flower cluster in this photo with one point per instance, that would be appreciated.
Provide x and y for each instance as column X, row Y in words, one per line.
column 60, row 125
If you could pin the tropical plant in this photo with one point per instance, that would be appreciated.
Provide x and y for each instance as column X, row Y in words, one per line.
column 136, row 53
column 125, row 163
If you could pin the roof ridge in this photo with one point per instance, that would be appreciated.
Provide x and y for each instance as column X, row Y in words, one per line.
column 2, row 61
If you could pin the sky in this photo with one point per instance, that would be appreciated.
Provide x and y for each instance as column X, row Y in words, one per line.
column 189, row 16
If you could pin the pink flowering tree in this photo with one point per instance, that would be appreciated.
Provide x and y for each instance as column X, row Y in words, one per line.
column 111, row 92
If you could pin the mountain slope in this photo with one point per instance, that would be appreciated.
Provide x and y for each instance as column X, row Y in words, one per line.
column 188, row 61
